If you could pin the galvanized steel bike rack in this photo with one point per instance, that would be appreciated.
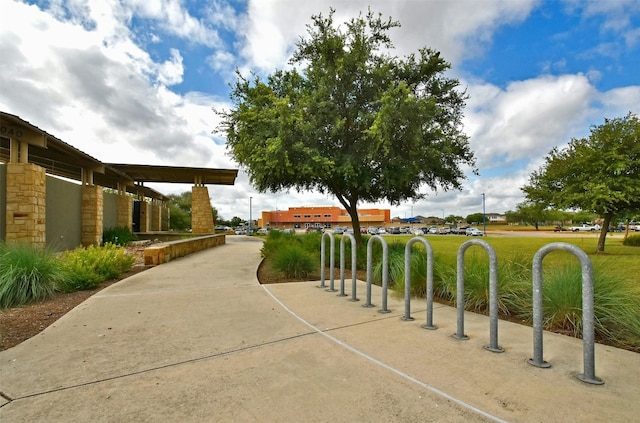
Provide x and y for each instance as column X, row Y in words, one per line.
column 354, row 263
column 385, row 272
column 332, row 260
column 493, row 294
column 588, row 336
column 429, row 281
column 588, row 331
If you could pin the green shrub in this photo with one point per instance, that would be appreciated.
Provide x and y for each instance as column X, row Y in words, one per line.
column 632, row 241
column 616, row 303
column 88, row 267
column 27, row 274
column 513, row 282
column 395, row 263
column 293, row 261
column 118, row 235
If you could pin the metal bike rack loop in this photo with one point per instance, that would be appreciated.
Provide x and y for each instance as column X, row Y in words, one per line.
column 354, row 263
column 332, row 261
column 588, row 331
column 385, row 272
column 429, row 281
column 493, row 294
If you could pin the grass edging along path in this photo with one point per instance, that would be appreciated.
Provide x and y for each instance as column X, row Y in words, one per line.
column 617, row 302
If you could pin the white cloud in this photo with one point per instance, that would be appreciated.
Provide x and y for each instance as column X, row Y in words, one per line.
column 81, row 72
column 273, row 26
column 527, row 118
column 171, row 71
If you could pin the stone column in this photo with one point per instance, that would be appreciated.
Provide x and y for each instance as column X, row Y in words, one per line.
column 92, row 215
column 26, row 208
column 144, row 216
column 156, row 216
column 201, row 214
column 125, row 210
column 165, row 218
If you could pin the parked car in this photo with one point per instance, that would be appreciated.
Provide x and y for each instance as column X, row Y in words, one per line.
column 338, row 230
column 444, row 231
column 433, row 230
column 372, row 230
column 634, row 226
column 559, row 228
column 418, row 231
column 263, row 231
column 241, row 231
column 382, row 231
column 473, row 232
column 394, row 230
column 460, row 230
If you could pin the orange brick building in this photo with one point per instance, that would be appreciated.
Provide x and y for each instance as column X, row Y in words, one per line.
column 322, row 217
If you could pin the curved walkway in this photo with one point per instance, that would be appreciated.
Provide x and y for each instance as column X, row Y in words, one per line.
column 199, row 339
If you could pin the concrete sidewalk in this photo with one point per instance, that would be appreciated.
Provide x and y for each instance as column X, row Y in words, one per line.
column 199, row 340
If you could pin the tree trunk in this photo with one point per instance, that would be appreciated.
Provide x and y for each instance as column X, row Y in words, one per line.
column 352, row 209
column 603, row 232
column 355, row 223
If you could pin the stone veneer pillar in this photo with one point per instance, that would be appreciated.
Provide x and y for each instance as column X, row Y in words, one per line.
column 26, row 204
column 144, row 216
column 92, row 217
column 156, row 216
column 201, row 214
column 125, row 210
column 165, row 218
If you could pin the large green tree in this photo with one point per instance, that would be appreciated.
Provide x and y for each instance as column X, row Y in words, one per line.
column 598, row 174
column 529, row 213
column 351, row 119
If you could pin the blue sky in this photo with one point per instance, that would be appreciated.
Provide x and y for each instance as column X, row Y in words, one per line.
column 135, row 81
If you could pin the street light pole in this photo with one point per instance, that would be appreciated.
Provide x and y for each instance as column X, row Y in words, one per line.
column 250, row 217
column 412, row 219
column 484, row 216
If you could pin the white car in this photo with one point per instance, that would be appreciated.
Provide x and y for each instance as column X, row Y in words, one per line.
column 473, row 232
column 382, row 231
column 418, row 232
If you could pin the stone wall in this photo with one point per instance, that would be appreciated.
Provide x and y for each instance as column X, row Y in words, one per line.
column 167, row 251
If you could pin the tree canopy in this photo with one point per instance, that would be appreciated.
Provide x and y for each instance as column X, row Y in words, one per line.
column 350, row 119
column 598, row 174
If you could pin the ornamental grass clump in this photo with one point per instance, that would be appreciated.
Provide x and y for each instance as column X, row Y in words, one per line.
column 27, row 274
column 616, row 304
column 513, row 282
column 118, row 235
column 632, row 241
column 294, row 261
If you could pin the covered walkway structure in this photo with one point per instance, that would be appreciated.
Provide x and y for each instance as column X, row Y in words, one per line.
column 37, row 210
